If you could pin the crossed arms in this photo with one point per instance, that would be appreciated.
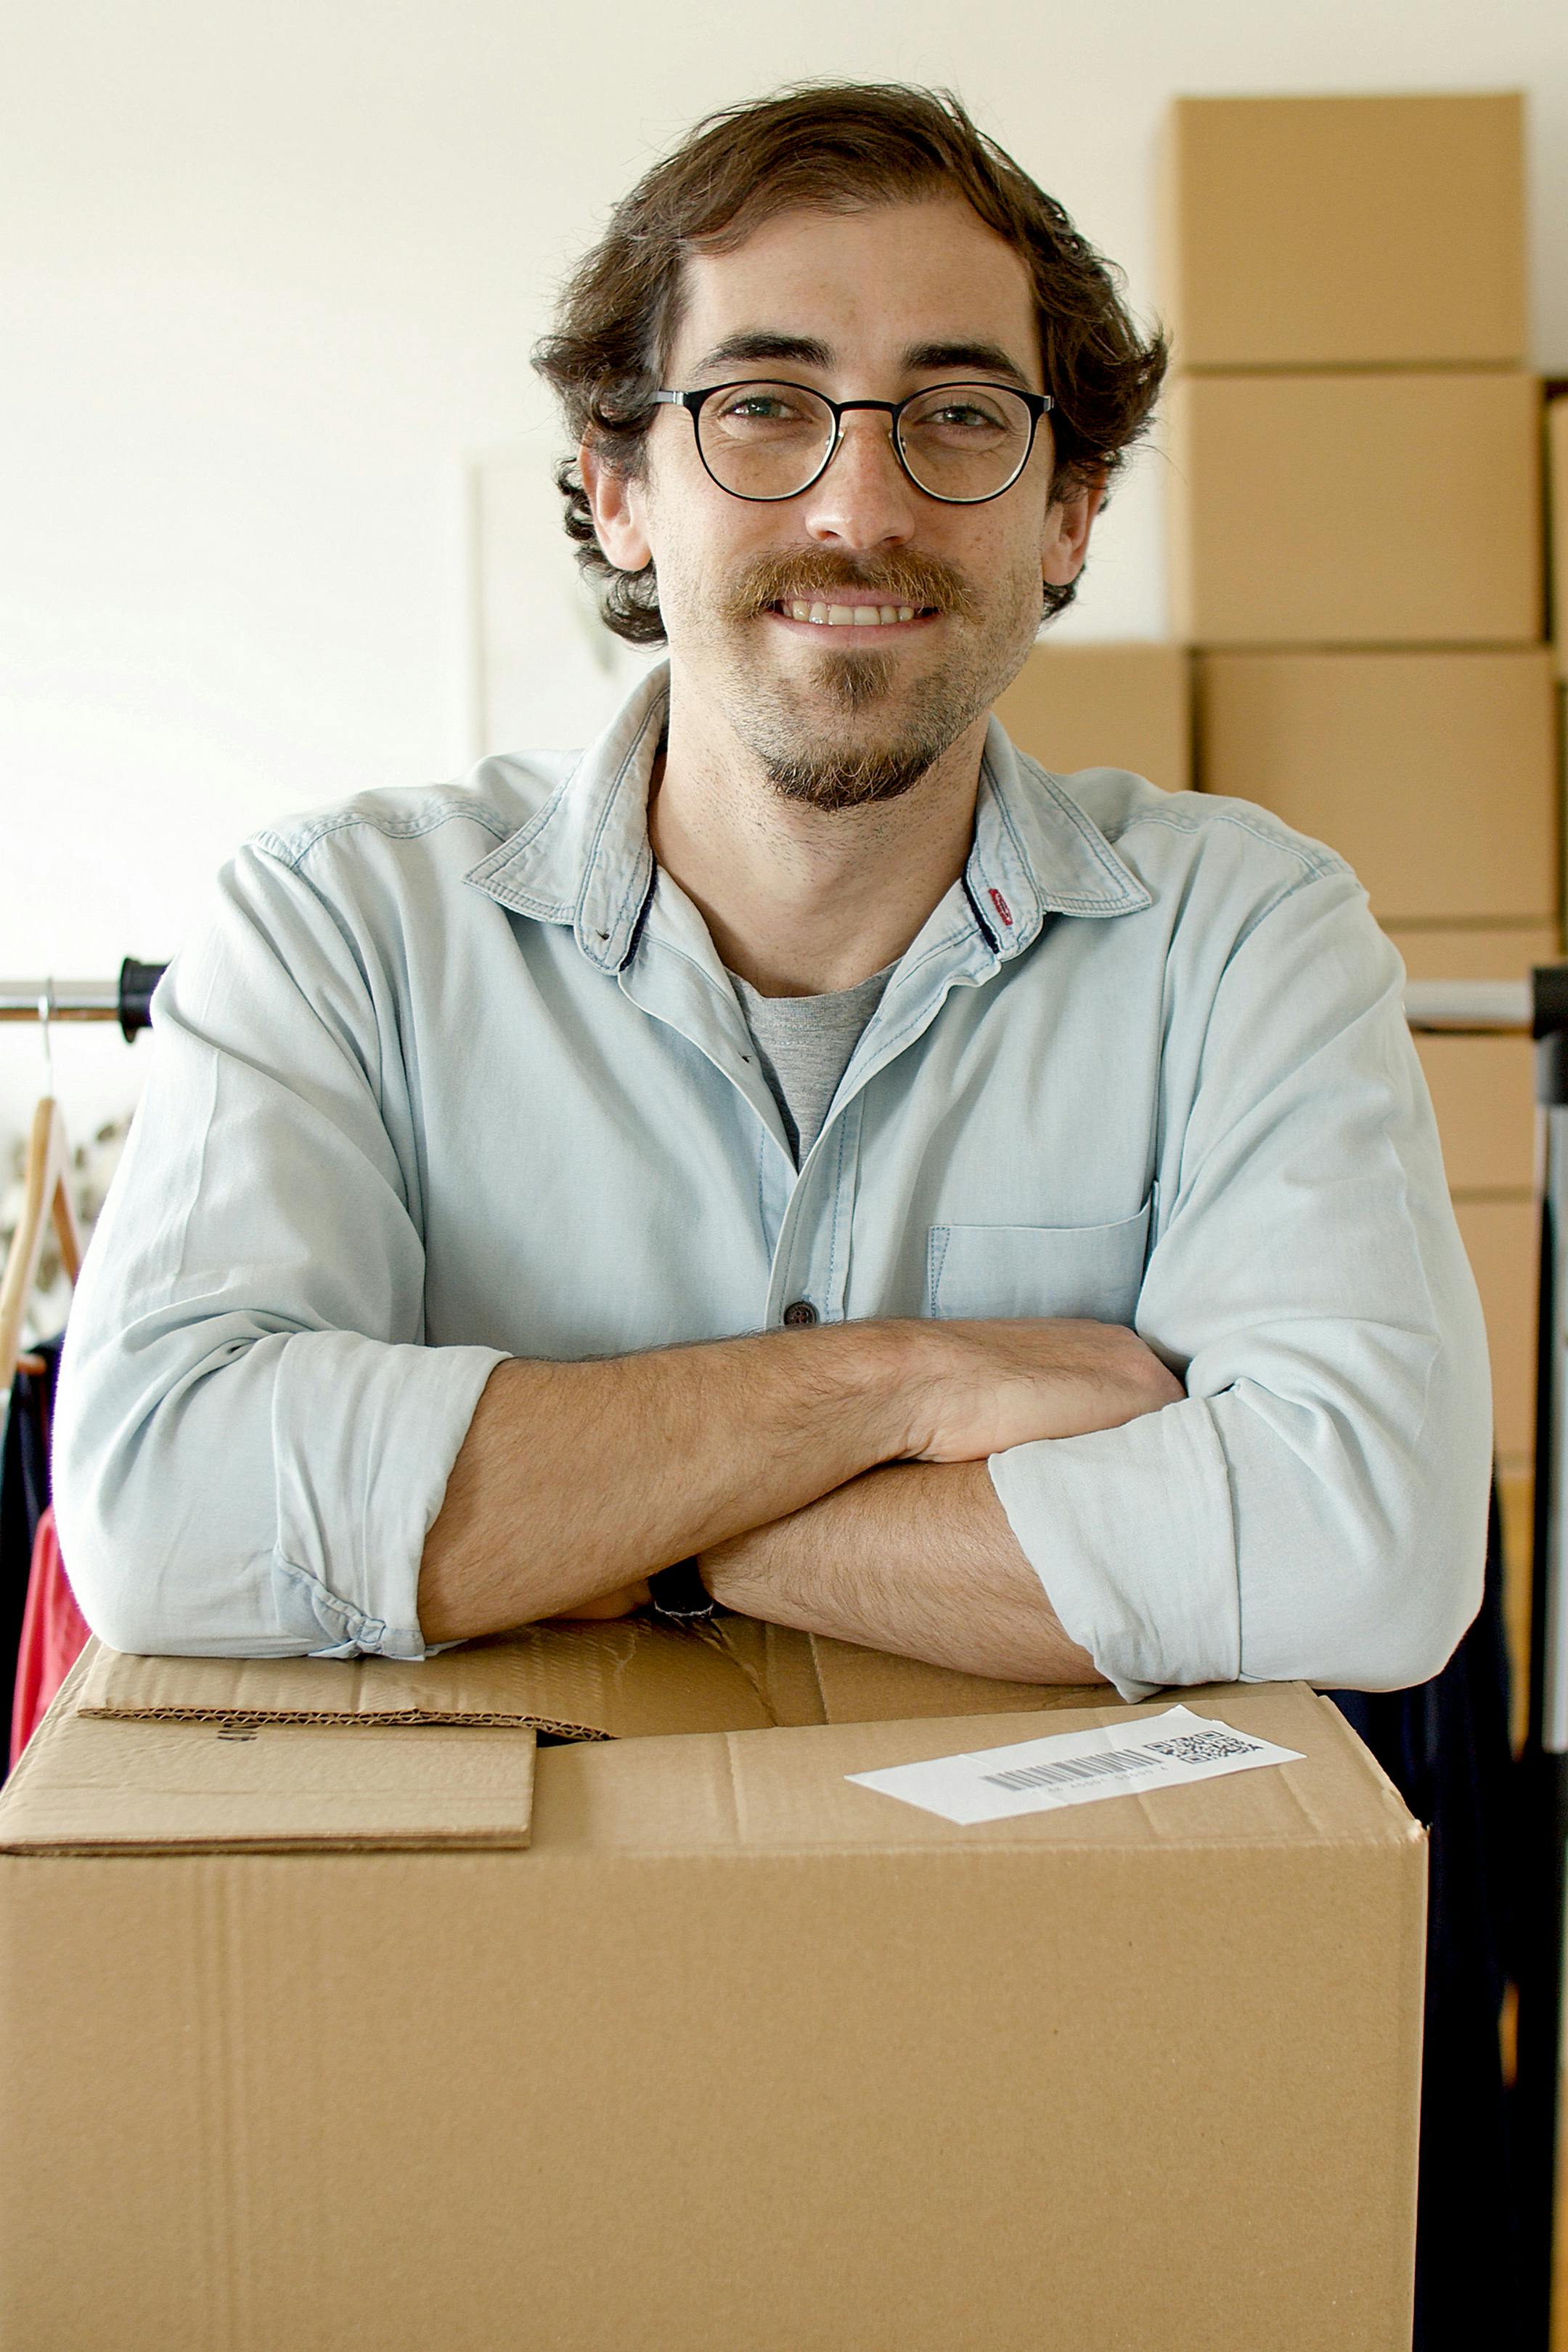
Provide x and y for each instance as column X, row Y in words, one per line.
column 833, row 1480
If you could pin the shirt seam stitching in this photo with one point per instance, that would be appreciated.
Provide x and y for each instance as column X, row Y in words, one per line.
column 837, row 1197
column 1318, row 862
column 277, row 846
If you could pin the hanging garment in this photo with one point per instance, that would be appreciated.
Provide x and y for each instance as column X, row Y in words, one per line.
column 1446, row 1747
column 54, row 1635
column 24, row 1497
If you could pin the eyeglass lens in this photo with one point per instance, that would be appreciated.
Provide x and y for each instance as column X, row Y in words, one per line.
column 960, row 442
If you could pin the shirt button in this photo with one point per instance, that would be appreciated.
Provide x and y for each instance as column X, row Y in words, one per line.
column 799, row 1312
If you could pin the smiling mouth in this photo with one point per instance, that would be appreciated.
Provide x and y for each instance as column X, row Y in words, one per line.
column 852, row 617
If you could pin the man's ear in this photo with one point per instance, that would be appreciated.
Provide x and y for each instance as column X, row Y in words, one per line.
column 1067, row 524
column 615, row 501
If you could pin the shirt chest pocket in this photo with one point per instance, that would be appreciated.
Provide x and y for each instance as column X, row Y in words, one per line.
column 1090, row 1270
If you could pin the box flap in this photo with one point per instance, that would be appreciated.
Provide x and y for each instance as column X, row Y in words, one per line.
column 779, row 1663
column 788, row 1793
column 861, row 1686
column 91, row 1784
column 632, row 1677
column 626, row 1679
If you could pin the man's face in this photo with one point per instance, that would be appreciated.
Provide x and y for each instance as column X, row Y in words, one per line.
column 873, row 304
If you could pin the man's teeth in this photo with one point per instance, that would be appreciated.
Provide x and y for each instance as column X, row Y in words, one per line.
column 851, row 617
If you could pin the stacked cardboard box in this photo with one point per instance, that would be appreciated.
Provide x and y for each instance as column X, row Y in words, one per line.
column 1356, row 558
column 1557, row 510
column 1126, row 705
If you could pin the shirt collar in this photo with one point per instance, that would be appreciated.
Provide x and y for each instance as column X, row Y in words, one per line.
column 584, row 859
column 1036, row 853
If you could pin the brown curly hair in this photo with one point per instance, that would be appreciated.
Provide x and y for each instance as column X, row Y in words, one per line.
column 835, row 146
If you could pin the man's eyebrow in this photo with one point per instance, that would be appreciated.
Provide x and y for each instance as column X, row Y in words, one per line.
column 750, row 344
column 766, row 343
column 991, row 359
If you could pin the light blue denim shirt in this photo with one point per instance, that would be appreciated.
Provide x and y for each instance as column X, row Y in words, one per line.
column 456, row 1074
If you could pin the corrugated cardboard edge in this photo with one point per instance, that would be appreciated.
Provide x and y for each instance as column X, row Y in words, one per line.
column 251, row 1693
column 623, row 1678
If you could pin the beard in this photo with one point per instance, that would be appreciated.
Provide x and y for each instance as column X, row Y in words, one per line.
column 846, row 774
column 876, row 744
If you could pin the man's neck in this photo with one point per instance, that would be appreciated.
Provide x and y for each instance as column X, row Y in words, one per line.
column 800, row 901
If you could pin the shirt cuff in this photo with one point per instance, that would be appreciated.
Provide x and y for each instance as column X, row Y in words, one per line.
column 1130, row 1531
column 365, row 1436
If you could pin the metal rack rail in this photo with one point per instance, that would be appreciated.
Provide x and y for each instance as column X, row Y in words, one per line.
column 127, row 1000
column 1453, row 1007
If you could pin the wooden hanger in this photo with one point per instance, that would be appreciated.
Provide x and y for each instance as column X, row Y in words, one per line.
column 47, row 1195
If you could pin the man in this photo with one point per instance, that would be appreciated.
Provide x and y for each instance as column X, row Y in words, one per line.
column 799, row 1144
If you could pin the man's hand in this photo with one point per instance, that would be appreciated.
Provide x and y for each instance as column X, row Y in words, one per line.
column 978, row 1388
column 920, row 1560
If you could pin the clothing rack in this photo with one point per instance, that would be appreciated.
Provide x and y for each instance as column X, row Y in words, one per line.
column 128, row 1000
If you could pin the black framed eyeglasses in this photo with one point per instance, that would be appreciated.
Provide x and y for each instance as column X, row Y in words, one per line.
column 960, row 442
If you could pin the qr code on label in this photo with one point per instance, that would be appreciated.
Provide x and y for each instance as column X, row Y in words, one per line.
column 1202, row 1747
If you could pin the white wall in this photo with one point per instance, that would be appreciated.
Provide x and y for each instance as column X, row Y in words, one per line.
column 272, row 276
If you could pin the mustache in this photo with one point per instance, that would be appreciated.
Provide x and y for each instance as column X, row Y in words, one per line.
column 923, row 581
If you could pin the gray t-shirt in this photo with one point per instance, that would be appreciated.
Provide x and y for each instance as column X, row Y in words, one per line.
column 804, row 1044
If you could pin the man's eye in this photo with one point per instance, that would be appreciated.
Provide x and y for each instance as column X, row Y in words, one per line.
column 959, row 414
column 757, row 405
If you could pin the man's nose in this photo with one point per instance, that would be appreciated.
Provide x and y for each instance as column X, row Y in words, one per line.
column 865, row 498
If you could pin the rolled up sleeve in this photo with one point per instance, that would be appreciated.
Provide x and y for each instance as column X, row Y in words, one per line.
column 1316, row 1506
column 252, row 1438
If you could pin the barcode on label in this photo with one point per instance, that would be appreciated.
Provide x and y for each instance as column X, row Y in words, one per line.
column 1204, row 1746
column 1076, row 1768
column 1113, row 1763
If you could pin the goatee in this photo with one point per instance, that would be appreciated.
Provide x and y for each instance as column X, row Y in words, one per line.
column 842, row 776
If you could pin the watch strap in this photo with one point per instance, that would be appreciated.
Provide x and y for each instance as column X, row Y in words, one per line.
column 679, row 1593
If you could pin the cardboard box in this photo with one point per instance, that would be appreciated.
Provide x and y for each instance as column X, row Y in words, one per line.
column 1557, row 478
column 1355, row 509
column 1503, row 1240
column 1483, row 1091
column 342, row 2010
column 1434, row 774
column 1477, row 952
column 1105, row 706
column 1342, row 232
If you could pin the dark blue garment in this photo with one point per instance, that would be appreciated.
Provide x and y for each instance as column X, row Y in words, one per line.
column 1446, row 1747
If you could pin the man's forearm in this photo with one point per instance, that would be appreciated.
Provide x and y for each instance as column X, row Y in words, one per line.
column 917, row 1558
column 578, row 1479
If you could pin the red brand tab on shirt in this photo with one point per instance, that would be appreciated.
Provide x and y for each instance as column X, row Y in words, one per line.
column 1002, row 907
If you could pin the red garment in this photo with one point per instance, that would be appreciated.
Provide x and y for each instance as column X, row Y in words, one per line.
column 54, row 1634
